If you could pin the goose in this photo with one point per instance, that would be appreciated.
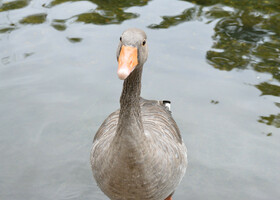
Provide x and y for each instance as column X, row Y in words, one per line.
column 138, row 152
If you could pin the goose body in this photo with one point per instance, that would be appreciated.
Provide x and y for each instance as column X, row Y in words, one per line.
column 138, row 152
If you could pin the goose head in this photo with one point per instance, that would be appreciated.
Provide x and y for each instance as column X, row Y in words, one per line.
column 132, row 51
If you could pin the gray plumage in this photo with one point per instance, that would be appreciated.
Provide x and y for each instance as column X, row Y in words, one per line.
column 138, row 152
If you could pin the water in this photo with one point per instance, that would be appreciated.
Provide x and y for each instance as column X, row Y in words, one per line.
column 217, row 61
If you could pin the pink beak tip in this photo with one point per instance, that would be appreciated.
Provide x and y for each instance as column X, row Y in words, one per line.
column 123, row 73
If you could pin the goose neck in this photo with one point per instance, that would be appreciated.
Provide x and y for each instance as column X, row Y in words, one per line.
column 130, row 112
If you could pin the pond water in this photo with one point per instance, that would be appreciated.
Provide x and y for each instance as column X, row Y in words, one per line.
column 218, row 61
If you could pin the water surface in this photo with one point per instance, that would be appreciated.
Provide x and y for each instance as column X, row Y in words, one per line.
column 218, row 62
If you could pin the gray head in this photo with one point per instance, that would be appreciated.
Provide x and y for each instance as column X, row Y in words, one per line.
column 132, row 51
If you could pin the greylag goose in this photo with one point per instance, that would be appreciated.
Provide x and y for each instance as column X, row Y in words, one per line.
column 138, row 152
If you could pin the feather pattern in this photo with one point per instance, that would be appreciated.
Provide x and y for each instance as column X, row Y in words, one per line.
column 154, row 171
column 138, row 152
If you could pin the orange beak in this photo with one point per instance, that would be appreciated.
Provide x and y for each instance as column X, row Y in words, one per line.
column 127, row 61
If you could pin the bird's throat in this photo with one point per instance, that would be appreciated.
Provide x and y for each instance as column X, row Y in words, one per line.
column 130, row 121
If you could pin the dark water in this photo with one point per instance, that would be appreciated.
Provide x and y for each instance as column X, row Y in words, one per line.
column 218, row 61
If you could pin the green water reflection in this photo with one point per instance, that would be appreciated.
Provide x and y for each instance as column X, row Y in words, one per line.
column 59, row 24
column 34, row 19
column 107, row 12
column 12, row 5
column 247, row 35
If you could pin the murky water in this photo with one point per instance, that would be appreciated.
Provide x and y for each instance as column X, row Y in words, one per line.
column 217, row 61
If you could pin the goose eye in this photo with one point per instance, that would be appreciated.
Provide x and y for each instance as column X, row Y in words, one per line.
column 144, row 42
column 120, row 38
